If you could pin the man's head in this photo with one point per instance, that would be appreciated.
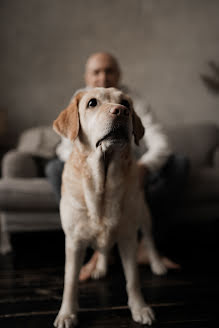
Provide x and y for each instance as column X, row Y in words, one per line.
column 102, row 70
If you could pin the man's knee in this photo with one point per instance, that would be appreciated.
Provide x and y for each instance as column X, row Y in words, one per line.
column 54, row 168
column 177, row 167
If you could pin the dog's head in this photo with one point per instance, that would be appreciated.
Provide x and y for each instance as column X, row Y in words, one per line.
column 100, row 117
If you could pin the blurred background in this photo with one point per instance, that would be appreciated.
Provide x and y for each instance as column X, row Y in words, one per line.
column 168, row 51
column 165, row 48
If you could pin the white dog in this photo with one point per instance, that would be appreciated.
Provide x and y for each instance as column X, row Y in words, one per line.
column 102, row 202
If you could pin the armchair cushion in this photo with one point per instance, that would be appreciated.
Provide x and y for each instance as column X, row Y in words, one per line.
column 18, row 165
column 27, row 195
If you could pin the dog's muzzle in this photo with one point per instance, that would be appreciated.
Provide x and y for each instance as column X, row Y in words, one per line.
column 117, row 135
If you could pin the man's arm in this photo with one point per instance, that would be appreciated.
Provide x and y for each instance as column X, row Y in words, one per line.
column 156, row 141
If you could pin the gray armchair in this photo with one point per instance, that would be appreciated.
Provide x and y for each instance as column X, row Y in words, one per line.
column 27, row 202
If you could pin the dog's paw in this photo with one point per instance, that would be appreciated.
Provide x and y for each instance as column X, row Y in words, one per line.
column 158, row 268
column 65, row 320
column 144, row 315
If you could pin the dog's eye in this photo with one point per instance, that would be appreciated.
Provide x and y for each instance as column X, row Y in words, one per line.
column 92, row 103
column 125, row 103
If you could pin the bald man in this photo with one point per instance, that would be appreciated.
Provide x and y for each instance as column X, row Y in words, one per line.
column 102, row 70
column 154, row 155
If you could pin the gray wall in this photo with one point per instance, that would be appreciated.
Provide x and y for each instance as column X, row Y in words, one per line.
column 163, row 47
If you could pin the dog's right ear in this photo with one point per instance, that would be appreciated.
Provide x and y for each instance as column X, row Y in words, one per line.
column 138, row 128
column 67, row 123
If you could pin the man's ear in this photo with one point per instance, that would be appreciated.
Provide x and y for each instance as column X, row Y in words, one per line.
column 67, row 124
column 138, row 129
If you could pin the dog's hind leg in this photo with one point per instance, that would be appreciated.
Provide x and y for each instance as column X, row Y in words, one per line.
column 141, row 312
column 157, row 265
column 95, row 268
column 101, row 266
column 67, row 316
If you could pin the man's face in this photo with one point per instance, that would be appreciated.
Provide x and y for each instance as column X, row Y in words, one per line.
column 101, row 71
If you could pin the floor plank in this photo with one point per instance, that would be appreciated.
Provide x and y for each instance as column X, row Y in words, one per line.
column 31, row 283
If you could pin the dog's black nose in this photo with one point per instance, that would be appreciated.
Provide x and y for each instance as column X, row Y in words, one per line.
column 119, row 110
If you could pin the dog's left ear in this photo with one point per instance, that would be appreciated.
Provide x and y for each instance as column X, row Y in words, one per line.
column 138, row 129
column 67, row 123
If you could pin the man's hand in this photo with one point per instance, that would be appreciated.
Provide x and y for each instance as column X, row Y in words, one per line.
column 143, row 173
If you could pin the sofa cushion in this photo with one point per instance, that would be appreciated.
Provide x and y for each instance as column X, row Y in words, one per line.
column 197, row 141
column 26, row 194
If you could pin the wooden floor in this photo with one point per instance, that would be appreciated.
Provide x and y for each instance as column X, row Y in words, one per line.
column 31, row 282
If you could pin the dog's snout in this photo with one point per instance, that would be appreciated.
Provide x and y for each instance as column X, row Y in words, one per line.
column 119, row 110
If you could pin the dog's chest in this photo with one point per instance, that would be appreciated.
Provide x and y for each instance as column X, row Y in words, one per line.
column 104, row 196
column 104, row 217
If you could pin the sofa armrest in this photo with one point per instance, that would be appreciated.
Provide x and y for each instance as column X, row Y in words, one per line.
column 216, row 158
column 16, row 164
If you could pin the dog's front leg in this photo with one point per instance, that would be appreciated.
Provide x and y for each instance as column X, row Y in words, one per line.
column 141, row 312
column 74, row 254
